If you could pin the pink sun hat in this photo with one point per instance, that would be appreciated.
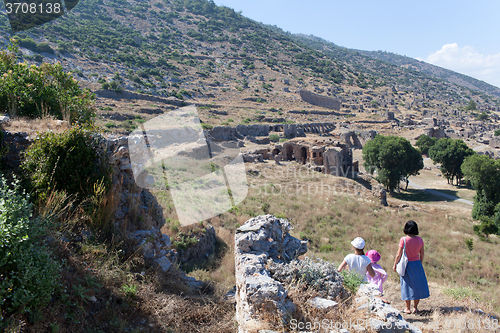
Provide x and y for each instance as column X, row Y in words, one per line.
column 373, row 255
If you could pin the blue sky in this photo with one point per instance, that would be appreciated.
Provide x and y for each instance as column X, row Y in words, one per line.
column 463, row 36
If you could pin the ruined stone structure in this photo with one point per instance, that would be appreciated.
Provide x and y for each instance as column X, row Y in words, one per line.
column 228, row 133
column 495, row 143
column 319, row 100
column 356, row 139
column 435, row 132
column 333, row 158
column 260, row 239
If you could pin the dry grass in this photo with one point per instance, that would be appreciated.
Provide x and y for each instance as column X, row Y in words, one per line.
column 34, row 126
column 330, row 220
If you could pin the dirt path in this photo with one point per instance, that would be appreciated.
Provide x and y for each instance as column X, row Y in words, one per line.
column 441, row 313
column 438, row 193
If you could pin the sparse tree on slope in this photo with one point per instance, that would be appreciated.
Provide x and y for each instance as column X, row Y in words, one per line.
column 393, row 158
column 450, row 154
column 484, row 174
column 424, row 143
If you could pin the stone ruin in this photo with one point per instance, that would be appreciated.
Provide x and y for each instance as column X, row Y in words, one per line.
column 332, row 158
column 256, row 242
column 494, row 143
column 240, row 132
column 319, row 100
column 356, row 139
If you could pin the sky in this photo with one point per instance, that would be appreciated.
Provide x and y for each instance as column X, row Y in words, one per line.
column 463, row 36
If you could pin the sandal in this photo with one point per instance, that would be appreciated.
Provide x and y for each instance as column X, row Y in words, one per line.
column 407, row 311
column 415, row 311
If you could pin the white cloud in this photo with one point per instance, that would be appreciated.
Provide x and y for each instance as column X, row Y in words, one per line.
column 467, row 60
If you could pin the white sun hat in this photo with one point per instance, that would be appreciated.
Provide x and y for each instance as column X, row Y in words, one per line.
column 358, row 243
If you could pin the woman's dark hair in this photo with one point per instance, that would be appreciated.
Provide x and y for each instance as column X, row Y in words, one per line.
column 411, row 228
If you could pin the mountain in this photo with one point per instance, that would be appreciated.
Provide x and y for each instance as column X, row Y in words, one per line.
column 436, row 71
column 204, row 53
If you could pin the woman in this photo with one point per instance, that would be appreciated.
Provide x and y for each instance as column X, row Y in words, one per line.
column 413, row 283
column 358, row 262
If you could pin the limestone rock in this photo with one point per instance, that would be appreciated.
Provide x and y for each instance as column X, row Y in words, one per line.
column 322, row 303
column 163, row 263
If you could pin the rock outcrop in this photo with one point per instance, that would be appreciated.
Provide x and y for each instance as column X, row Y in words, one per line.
column 382, row 317
column 258, row 295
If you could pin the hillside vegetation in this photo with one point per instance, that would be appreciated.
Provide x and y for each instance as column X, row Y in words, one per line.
column 194, row 48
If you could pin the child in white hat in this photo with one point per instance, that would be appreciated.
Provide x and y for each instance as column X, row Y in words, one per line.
column 358, row 262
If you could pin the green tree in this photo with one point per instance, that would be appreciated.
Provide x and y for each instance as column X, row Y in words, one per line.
column 393, row 158
column 34, row 91
column 484, row 175
column 450, row 154
column 482, row 116
column 497, row 132
column 471, row 106
column 424, row 143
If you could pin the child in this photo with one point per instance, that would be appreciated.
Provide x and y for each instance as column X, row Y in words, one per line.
column 380, row 273
column 358, row 262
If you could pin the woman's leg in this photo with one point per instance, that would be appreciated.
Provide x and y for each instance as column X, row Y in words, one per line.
column 415, row 304
column 407, row 310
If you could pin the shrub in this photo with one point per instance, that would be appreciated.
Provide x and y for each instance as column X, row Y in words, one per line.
column 206, row 126
column 274, row 137
column 352, row 280
column 326, row 248
column 317, row 274
column 35, row 90
column 72, row 161
column 29, row 273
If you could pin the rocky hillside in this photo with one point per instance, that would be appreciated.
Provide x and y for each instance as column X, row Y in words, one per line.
column 194, row 49
column 436, row 71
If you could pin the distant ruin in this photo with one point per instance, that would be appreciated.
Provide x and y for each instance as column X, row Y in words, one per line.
column 319, row 100
column 333, row 158
column 228, row 133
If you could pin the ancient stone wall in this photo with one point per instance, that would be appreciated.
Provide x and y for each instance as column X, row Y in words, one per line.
column 494, row 143
column 226, row 133
column 435, row 132
column 253, row 130
column 258, row 295
column 319, row 100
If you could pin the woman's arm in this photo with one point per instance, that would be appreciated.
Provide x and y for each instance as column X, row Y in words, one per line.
column 398, row 257
column 342, row 265
column 422, row 254
column 370, row 270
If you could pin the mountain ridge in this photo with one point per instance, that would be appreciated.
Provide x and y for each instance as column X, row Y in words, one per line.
column 194, row 49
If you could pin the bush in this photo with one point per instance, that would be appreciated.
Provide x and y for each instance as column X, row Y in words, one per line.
column 33, row 91
column 72, row 161
column 317, row 274
column 274, row 137
column 352, row 280
column 29, row 273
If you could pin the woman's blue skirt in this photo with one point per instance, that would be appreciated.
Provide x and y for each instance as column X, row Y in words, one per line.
column 414, row 283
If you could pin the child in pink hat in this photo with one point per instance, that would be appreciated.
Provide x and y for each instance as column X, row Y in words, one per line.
column 380, row 274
